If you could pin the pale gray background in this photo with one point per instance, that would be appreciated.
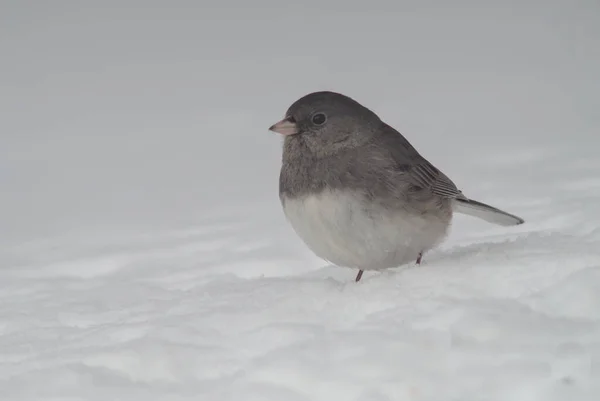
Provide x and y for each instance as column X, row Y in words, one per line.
column 137, row 115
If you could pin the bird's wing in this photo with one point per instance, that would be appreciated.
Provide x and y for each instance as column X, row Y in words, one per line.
column 418, row 170
column 425, row 175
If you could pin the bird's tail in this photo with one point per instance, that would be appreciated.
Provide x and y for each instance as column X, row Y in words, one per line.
column 486, row 212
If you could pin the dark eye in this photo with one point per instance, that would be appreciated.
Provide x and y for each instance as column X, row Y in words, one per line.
column 319, row 119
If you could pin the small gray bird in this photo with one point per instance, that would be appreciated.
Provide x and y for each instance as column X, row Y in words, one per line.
column 358, row 193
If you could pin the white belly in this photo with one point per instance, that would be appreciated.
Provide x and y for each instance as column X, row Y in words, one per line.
column 348, row 231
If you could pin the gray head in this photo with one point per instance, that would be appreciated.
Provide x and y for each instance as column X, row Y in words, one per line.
column 327, row 122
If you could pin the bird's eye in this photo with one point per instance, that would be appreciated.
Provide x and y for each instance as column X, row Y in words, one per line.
column 319, row 119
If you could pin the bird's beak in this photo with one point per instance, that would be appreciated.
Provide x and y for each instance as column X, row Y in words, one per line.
column 287, row 126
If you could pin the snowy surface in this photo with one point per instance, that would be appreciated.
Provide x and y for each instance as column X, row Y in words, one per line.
column 143, row 251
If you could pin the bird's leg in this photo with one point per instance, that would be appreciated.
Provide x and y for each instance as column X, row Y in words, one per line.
column 419, row 258
column 358, row 276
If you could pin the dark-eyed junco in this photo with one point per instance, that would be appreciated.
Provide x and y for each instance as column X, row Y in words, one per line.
column 358, row 193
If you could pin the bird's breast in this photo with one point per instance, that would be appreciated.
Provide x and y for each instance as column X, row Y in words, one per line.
column 345, row 228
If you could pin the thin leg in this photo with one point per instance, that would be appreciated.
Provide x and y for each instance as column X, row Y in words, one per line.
column 419, row 258
column 358, row 276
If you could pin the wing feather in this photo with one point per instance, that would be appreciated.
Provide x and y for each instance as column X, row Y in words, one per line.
column 419, row 171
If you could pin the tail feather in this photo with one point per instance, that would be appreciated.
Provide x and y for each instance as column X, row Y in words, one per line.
column 486, row 212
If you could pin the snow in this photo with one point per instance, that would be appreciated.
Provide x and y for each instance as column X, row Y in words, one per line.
column 143, row 251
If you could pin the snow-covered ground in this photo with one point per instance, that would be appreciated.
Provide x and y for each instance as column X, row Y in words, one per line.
column 143, row 251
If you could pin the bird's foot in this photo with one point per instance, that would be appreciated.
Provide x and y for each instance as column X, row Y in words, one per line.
column 358, row 276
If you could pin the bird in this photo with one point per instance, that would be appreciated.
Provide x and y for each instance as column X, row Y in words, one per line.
column 357, row 193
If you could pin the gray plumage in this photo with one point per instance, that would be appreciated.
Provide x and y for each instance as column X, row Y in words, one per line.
column 358, row 193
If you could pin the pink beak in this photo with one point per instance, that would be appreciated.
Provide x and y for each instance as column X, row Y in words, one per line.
column 287, row 126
